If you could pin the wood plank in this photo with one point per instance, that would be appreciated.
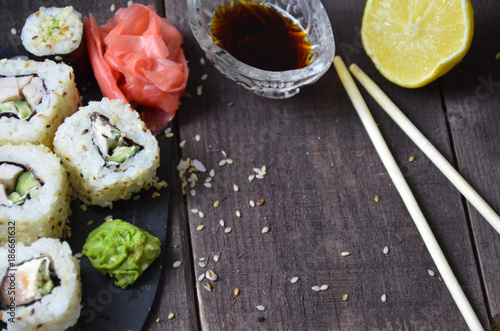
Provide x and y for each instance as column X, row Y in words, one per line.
column 472, row 94
column 319, row 190
column 175, row 292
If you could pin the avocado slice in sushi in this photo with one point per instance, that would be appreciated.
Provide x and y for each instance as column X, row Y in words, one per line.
column 112, row 143
column 33, row 280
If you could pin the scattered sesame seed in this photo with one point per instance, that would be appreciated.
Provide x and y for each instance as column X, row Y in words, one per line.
column 170, row 316
column 216, row 204
column 260, row 202
column 229, row 161
column 90, row 222
column 265, row 229
column 345, row 253
column 202, row 264
column 158, row 320
column 345, row 297
column 235, row 188
column 208, row 287
column 177, row 264
column 261, row 307
column 497, row 56
column 323, row 287
column 230, row 104
column 238, row 213
column 155, row 195
column 383, row 298
column 236, row 292
column 78, row 255
column 227, row 230
column 377, row 198
column 197, row 137
column 221, row 222
column 204, row 77
column 199, row 90
column 199, row 166
column 83, row 207
column 211, row 275
column 431, row 273
column 212, row 173
column 201, row 214
column 256, row 170
column 385, row 250
column 182, row 144
column 252, row 203
column 112, row 8
column 169, row 135
column 193, row 193
column 259, row 176
column 201, row 278
column 316, row 288
column 136, row 197
column 224, row 153
column 194, row 211
column 202, row 61
column 411, row 159
column 222, row 162
column 216, row 258
column 294, row 280
column 129, row 3
column 251, row 178
column 13, row 31
column 200, row 227
column 207, row 185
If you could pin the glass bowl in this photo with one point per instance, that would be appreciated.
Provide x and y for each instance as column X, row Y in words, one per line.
column 311, row 16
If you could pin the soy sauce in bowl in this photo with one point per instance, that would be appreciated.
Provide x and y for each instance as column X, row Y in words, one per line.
column 261, row 35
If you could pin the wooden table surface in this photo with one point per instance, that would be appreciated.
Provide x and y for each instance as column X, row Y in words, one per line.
column 322, row 176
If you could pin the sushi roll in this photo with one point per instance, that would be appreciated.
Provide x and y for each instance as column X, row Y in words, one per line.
column 41, row 287
column 57, row 34
column 108, row 152
column 35, row 195
column 35, row 97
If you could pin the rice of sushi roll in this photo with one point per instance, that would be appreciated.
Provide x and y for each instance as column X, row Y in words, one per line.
column 35, row 97
column 108, row 152
column 57, row 33
column 35, row 195
column 41, row 287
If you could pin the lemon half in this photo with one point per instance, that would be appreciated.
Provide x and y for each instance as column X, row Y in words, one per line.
column 413, row 42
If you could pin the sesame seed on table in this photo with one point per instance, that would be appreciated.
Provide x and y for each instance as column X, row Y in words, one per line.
column 281, row 215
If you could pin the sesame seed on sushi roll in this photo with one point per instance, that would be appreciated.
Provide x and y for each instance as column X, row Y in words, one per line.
column 35, row 97
column 40, row 286
column 35, row 195
column 56, row 33
column 108, row 152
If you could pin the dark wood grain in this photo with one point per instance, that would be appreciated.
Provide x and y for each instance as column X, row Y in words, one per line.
column 323, row 174
column 472, row 94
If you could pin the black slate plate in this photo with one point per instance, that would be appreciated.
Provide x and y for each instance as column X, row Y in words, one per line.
column 106, row 306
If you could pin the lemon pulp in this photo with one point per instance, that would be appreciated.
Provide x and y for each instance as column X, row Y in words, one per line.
column 413, row 42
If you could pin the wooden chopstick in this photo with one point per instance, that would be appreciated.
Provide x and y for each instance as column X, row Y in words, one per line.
column 426, row 146
column 407, row 196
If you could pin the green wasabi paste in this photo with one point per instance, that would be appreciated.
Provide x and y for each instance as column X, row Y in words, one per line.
column 121, row 250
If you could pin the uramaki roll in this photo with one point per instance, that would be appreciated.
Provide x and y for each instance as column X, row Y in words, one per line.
column 35, row 98
column 40, row 286
column 35, row 195
column 108, row 152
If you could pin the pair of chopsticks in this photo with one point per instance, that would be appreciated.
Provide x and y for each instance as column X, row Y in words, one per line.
column 402, row 186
